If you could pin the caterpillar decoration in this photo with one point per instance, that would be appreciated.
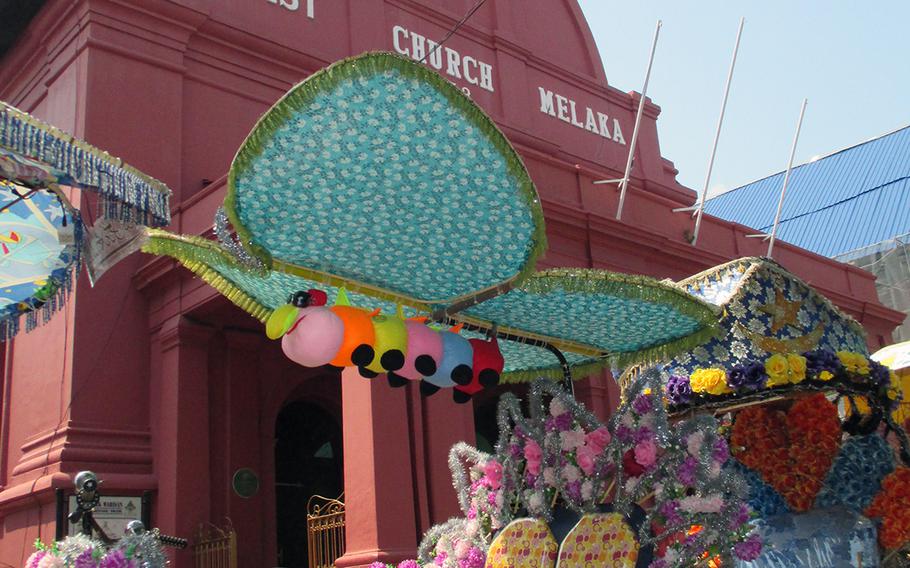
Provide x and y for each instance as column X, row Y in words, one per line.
column 313, row 334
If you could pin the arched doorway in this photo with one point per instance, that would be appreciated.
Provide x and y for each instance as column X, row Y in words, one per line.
column 308, row 461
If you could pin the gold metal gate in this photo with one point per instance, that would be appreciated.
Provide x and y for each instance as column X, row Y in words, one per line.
column 325, row 530
column 215, row 547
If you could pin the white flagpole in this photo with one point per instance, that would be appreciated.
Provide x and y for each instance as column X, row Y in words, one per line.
column 783, row 190
column 641, row 107
column 720, row 122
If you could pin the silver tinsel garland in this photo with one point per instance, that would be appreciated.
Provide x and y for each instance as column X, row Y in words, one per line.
column 232, row 244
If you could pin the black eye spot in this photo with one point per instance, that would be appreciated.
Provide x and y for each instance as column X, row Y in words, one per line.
column 425, row 365
column 362, row 355
column 462, row 375
column 488, row 378
column 392, row 360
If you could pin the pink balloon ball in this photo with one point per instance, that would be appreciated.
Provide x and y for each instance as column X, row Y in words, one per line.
column 316, row 338
column 421, row 341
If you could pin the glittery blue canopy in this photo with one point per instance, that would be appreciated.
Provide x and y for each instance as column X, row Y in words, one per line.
column 380, row 172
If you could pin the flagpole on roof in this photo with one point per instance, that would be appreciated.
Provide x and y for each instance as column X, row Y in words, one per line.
column 783, row 190
column 720, row 121
column 624, row 182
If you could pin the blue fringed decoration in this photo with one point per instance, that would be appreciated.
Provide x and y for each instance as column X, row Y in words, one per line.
column 127, row 195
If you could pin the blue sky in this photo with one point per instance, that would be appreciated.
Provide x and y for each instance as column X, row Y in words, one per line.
column 851, row 59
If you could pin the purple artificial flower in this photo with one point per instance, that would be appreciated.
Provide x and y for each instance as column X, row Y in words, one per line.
column 721, row 451
column 85, row 560
column 822, row 360
column 643, row 433
column 686, row 471
column 560, row 423
column 573, row 490
column 35, row 558
column 748, row 549
column 116, row 559
column 408, row 564
column 740, row 516
column 659, row 563
column 642, row 404
column 440, row 559
column 879, row 374
column 670, row 511
column 377, row 564
column 624, row 433
column 679, row 391
column 475, row 558
column 751, row 377
column 515, row 451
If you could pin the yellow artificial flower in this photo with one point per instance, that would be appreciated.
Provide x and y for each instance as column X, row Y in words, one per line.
column 778, row 369
column 825, row 376
column 894, row 393
column 797, row 364
column 862, row 364
column 712, row 381
column 848, row 359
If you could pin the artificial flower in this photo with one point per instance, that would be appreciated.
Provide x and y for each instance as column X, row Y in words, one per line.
column 749, row 549
column 631, row 467
column 679, row 390
column 572, row 439
column 711, row 381
column 598, row 440
column 115, row 559
column 694, row 442
column 408, row 564
column 825, row 376
column 557, row 408
column 777, row 368
column 750, row 377
column 533, row 455
column 50, row 561
column 797, row 367
column 646, row 453
column 492, row 470
column 585, row 457
column 36, row 557
column 571, row 473
column 695, row 504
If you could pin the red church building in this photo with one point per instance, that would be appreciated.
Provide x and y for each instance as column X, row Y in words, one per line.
column 161, row 386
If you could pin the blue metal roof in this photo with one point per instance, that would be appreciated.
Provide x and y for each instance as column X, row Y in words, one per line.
column 850, row 199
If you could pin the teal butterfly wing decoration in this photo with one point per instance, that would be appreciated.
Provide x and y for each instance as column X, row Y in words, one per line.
column 378, row 176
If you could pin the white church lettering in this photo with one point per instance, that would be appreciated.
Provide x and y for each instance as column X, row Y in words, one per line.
column 444, row 58
column 567, row 110
column 294, row 5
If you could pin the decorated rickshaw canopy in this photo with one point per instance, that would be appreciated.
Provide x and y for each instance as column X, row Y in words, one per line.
column 378, row 176
column 765, row 310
